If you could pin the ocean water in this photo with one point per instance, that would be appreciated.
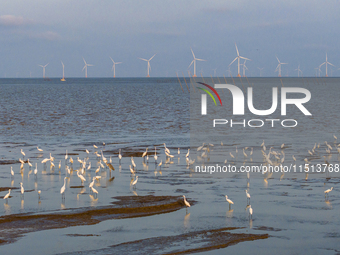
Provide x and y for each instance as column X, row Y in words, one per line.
column 133, row 114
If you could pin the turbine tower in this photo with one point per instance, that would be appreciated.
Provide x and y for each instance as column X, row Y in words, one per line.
column 114, row 67
column 326, row 65
column 278, row 68
column 63, row 79
column 238, row 61
column 44, row 69
column 194, row 61
column 149, row 67
column 299, row 70
column 85, row 67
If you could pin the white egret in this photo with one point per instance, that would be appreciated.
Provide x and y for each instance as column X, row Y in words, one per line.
column 22, row 152
column 62, row 190
column 66, row 156
column 248, row 195
column 188, row 153
column 229, row 201
column 12, row 172
column 250, row 212
column 22, row 190
column 186, row 202
column 327, row 191
column 131, row 170
column 119, row 155
column 95, row 146
column 133, row 184
column 7, row 195
column 39, row 149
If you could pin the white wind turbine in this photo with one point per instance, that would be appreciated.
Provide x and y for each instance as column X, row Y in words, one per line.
column 244, row 67
column 194, row 61
column 114, row 67
column 44, row 69
column 299, row 70
column 85, row 67
column 63, row 79
column 278, row 68
column 326, row 65
column 260, row 71
column 238, row 61
column 149, row 67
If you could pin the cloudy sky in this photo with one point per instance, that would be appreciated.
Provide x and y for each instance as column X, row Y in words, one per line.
column 38, row 32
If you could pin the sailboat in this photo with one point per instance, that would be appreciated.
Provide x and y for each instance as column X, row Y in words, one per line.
column 63, row 79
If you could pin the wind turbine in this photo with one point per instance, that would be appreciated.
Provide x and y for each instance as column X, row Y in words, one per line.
column 44, row 69
column 326, row 65
column 63, row 79
column 238, row 61
column 260, row 71
column 85, row 67
column 278, row 68
column 194, row 61
column 149, row 67
column 244, row 68
column 299, row 70
column 114, row 67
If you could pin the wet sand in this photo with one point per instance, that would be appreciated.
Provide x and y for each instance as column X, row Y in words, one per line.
column 14, row 226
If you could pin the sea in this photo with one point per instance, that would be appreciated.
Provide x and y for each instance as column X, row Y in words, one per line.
column 86, row 117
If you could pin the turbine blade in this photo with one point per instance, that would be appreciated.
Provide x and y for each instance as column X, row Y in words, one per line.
column 84, row 61
column 331, row 64
column 144, row 59
column 89, row 65
column 245, row 58
column 233, row 61
column 238, row 54
column 191, row 63
column 192, row 53
column 112, row 60
column 83, row 68
column 152, row 57
column 200, row 59
column 277, row 59
column 118, row 63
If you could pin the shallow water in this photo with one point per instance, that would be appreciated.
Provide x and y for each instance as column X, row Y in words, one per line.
column 132, row 114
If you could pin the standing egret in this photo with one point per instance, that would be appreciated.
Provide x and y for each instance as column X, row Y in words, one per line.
column 144, row 153
column 39, row 192
column 229, row 201
column 66, row 156
column 12, row 172
column 22, row 152
column 160, row 164
column 133, row 163
column 7, row 195
column 119, row 155
column 186, row 202
column 250, row 212
column 327, row 191
column 94, row 191
column 155, row 157
column 248, row 196
column 39, row 149
column 95, row 146
column 22, row 190
column 62, row 190
column 133, row 184
column 178, row 151
column 188, row 153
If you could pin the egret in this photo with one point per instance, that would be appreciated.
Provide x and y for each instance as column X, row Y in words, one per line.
column 66, row 156
column 12, row 172
column 294, row 158
column 119, row 155
column 95, row 146
column 94, row 190
column 229, row 201
column 87, row 151
column 59, row 164
column 178, row 151
column 248, row 195
column 22, row 190
column 133, row 162
column 22, row 152
column 155, row 157
column 39, row 192
column 7, row 195
column 36, row 169
column 62, row 190
column 250, row 212
column 39, row 149
column 131, row 170
column 160, row 164
column 82, row 178
column 188, row 153
column 186, row 202
column 327, row 191
column 144, row 153
column 133, row 184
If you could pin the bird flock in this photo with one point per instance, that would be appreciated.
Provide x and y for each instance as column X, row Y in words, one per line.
column 270, row 157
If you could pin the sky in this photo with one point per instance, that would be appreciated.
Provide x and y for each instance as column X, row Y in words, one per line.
column 38, row 32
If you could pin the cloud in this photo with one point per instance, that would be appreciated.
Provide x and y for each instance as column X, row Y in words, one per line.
column 11, row 20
